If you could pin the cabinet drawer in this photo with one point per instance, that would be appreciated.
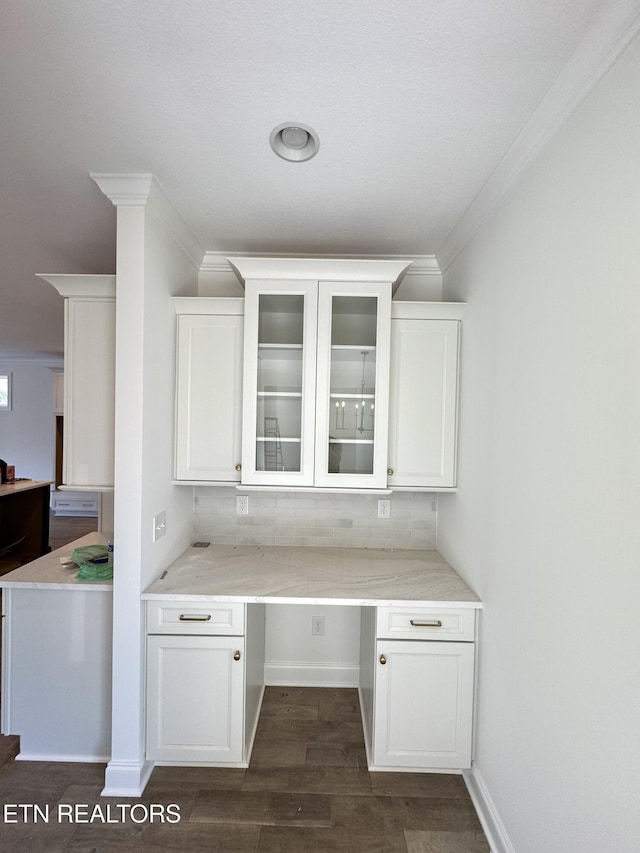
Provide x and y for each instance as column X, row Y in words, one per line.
column 75, row 506
column 419, row 623
column 195, row 617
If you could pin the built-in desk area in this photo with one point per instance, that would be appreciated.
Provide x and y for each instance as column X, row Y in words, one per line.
column 205, row 650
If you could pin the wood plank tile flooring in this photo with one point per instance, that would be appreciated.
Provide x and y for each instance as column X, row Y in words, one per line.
column 307, row 790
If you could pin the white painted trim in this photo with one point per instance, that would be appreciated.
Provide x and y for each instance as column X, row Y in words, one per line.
column 250, row 740
column 142, row 190
column 78, row 759
column 314, row 490
column 420, row 264
column 208, row 304
column 427, row 310
column 295, row 674
column 488, row 815
column 449, row 771
column 84, row 286
column 89, row 488
column 615, row 26
column 126, row 778
column 292, row 268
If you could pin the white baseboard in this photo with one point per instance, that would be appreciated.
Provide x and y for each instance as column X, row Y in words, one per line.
column 126, row 778
column 488, row 815
column 80, row 759
column 295, row 674
column 249, row 741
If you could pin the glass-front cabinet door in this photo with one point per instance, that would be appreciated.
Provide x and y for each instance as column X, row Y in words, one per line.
column 279, row 382
column 352, row 384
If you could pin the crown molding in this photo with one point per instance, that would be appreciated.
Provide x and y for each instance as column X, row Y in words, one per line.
column 614, row 27
column 420, row 264
column 144, row 190
column 86, row 286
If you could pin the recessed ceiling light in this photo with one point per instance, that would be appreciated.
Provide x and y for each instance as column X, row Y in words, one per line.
column 294, row 142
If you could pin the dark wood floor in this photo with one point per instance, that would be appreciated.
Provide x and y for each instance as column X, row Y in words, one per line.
column 307, row 789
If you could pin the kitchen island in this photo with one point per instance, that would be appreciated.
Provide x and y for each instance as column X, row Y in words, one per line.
column 205, row 650
column 56, row 659
column 24, row 522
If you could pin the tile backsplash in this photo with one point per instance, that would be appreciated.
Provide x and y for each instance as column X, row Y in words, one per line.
column 322, row 519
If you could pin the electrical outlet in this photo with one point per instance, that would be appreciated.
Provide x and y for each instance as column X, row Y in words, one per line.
column 384, row 509
column 159, row 525
column 242, row 505
column 317, row 626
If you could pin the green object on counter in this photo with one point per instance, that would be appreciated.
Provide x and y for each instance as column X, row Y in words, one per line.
column 95, row 563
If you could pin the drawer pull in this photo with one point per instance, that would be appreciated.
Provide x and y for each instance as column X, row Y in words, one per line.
column 236, row 655
column 424, row 623
column 238, row 467
column 184, row 618
column 383, row 659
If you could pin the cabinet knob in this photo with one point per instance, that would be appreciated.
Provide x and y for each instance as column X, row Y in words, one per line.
column 383, row 659
column 236, row 655
column 238, row 467
column 390, row 472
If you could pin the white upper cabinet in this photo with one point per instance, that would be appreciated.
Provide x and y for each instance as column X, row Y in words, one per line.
column 353, row 384
column 209, row 389
column 278, row 420
column 423, row 395
column 89, row 379
column 317, row 379
column 316, row 371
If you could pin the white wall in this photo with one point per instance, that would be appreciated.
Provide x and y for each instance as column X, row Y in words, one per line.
column 546, row 523
column 27, row 432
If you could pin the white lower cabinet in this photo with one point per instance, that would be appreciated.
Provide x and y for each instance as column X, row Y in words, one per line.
column 417, row 694
column 195, row 689
column 204, row 690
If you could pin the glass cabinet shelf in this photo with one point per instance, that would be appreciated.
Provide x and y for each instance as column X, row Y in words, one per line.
column 350, row 441
column 281, row 439
column 265, row 349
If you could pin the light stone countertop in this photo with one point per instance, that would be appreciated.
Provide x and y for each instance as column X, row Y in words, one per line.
column 47, row 572
column 291, row 575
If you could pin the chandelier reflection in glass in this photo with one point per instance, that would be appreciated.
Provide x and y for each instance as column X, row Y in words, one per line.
column 360, row 407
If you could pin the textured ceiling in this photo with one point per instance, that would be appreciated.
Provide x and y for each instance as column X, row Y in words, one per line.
column 415, row 103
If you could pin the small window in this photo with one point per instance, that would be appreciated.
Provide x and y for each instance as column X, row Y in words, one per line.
column 5, row 392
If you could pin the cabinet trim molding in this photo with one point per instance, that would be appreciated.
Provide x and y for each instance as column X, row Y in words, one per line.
column 86, row 286
column 320, row 269
column 208, row 305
